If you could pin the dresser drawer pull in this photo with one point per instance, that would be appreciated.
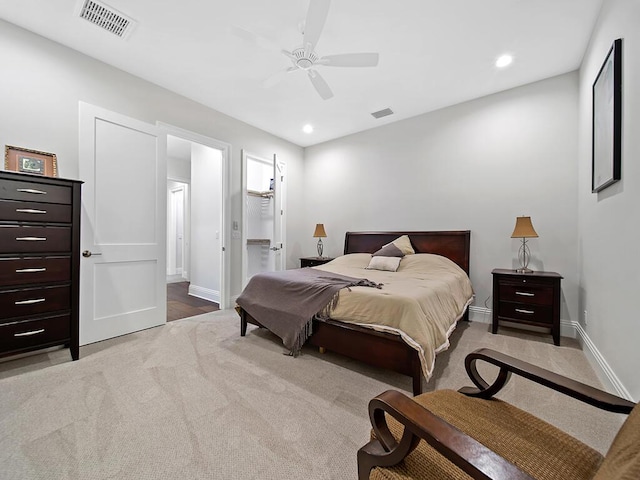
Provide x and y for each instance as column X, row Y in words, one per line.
column 26, row 334
column 519, row 310
column 29, row 210
column 526, row 294
column 31, row 239
column 31, row 190
column 29, row 302
column 30, row 270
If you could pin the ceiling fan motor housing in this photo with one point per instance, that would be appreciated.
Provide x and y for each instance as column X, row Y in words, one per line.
column 303, row 60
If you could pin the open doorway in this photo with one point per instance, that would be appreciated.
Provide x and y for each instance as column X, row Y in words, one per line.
column 195, row 204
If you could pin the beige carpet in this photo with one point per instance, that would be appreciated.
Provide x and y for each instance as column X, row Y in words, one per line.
column 194, row 400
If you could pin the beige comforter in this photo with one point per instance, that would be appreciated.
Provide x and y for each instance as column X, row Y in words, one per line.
column 421, row 302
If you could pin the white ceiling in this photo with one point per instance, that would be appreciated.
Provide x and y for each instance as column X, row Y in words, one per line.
column 432, row 53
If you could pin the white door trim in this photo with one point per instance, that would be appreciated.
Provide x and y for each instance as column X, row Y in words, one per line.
column 225, row 148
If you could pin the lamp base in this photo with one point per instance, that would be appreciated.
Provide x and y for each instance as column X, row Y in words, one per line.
column 524, row 270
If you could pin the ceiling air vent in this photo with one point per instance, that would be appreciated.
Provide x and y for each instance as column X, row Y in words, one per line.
column 106, row 17
column 382, row 113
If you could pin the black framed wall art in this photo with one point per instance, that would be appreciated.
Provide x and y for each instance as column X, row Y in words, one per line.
column 607, row 121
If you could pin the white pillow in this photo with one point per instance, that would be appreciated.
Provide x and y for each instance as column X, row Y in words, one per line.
column 389, row 264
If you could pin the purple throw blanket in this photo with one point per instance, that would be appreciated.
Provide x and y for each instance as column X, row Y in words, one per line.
column 285, row 302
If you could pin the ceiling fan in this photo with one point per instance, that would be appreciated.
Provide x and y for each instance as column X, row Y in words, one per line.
column 306, row 59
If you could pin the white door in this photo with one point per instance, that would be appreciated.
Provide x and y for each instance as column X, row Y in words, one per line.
column 176, row 236
column 262, row 215
column 123, row 228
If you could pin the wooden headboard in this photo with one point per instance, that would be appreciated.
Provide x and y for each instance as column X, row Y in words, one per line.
column 454, row 245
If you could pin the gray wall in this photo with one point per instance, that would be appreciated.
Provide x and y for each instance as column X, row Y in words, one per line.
column 609, row 267
column 475, row 166
column 42, row 83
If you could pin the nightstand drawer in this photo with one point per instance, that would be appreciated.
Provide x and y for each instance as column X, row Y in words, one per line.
column 527, row 312
column 31, row 301
column 43, row 332
column 35, row 212
column 34, row 239
column 526, row 293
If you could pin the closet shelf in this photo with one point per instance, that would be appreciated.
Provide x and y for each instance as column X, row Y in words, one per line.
column 265, row 194
column 258, row 241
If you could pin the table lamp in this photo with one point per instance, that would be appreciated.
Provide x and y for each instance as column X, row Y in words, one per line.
column 524, row 229
column 319, row 234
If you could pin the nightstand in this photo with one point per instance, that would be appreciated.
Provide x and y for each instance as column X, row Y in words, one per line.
column 313, row 261
column 527, row 298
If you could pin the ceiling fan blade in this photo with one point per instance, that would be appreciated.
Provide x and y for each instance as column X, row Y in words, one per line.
column 350, row 60
column 314, row 23
column 277, row 77
column 321, row 86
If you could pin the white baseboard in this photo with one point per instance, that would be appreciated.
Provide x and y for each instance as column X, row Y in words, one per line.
column 573, row 329
column 606, row 375
column 480, row 314
column 204, row 293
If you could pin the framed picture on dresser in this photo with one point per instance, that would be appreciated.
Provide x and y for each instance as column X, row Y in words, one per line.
column 607, row 121
column 35, row 162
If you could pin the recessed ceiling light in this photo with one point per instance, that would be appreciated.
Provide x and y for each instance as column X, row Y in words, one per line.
column 307, row 128
column 504, row 60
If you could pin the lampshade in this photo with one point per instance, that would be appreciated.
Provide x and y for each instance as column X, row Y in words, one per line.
column 524, row 228
column 320, row 231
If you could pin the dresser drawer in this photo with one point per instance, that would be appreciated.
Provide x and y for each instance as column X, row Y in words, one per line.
column 526, row 293
column 19, row 239
column 34, row 212
column 34, row 192
column 31, row 301
column 526, row 312
column 42, row 332
column 23, row 271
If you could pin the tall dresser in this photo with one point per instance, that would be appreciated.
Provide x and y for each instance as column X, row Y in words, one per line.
column 39, row 263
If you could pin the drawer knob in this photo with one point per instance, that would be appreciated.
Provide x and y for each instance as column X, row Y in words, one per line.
column 520, row 310
column 526, row 294
column 26, row 334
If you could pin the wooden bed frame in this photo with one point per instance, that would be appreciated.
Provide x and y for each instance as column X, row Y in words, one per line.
column 382, row 349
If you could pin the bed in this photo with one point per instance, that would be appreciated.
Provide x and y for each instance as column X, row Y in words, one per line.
column 384, row 349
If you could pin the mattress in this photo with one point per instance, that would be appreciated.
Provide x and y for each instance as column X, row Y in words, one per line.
column 421, row 301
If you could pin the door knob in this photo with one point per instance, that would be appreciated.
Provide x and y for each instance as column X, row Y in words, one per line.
column 88, row 253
